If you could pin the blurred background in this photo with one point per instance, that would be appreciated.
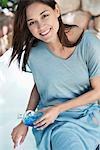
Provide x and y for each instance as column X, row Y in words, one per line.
column 15, row 85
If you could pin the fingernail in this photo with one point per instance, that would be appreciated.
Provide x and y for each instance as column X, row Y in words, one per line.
column 38, row 129
column 41, row 128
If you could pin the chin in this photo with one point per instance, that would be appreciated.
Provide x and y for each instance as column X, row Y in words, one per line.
column 46, row 41
column 49, row 40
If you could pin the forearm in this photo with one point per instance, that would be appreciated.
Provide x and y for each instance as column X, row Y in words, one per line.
column 84, row 99
column 34, row 99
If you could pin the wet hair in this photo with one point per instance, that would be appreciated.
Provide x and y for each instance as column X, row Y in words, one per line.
column 23, row 40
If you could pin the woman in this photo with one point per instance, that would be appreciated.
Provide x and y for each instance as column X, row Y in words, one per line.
column 65, row 63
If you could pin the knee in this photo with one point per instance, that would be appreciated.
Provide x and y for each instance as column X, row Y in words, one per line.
column 66, row 140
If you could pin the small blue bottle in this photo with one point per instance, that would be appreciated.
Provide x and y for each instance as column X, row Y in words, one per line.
column 30, row 117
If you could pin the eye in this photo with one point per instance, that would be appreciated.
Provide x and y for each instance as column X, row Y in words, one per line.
column 32, row 23
column 45, row 15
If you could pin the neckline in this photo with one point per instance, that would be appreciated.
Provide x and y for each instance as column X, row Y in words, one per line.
column 69, row 57
column 61, row 58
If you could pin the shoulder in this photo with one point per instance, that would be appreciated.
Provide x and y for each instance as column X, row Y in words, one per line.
column 89, row 35
column 91, row 46
column 90, row 40
column 37, row 52
column 37, row 49
column 74, row 34
column 38, row 46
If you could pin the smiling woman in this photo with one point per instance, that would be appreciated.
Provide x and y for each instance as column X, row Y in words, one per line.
column 65, row 63
column 43, row 23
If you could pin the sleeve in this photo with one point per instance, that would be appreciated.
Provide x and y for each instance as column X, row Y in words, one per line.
column 93, row 55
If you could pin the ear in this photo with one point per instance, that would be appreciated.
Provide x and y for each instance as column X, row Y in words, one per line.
column 57, row 10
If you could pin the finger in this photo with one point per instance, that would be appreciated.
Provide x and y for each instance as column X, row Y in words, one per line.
column 22, row 139
column 13, row 134
column 13, row 138
column 44, row 126
column 15, row 145
column 52, row 121
column 39, row 120
column 17, row 140
column 40, row 124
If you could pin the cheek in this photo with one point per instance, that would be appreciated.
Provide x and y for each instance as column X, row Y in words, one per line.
column 33, row 31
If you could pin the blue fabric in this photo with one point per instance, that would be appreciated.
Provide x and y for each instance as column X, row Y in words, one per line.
column 59, row 80
column 70, row 129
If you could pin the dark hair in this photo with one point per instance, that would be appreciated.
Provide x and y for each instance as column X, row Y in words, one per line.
column 23, row 40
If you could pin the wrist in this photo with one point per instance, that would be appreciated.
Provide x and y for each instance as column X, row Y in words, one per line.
column 22, row 123
column 59, row 107
column 63, row 107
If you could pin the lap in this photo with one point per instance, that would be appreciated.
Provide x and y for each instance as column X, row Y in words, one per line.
column 66, row 140
column 69, row 139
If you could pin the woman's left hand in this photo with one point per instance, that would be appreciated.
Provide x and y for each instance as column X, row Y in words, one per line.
column 49, row 116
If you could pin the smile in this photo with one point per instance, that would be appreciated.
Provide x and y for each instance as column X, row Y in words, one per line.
column 45, row 33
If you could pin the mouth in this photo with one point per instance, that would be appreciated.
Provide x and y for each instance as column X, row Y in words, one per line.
column 45, row 32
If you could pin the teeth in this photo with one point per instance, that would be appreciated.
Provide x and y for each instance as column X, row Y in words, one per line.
column 46, row 32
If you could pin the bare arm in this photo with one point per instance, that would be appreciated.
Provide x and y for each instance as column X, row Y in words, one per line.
column 34, row 99
column 88, row 97
column 84, row 99
column 21, row 130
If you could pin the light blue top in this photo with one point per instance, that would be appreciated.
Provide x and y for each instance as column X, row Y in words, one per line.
column 59, row 80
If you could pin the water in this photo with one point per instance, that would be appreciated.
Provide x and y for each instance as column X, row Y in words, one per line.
column 15, row 88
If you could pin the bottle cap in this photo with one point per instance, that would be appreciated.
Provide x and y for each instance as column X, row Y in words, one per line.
column 28, row 113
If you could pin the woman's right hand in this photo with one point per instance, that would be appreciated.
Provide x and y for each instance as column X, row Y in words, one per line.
column 20, row 131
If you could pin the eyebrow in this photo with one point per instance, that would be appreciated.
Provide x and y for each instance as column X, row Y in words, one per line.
column 40, row 14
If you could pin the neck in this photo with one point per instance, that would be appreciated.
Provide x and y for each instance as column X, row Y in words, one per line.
column 55, row 45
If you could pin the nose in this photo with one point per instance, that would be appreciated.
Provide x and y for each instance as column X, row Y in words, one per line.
column 40, row 25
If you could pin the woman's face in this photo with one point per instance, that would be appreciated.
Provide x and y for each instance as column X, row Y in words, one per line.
column 42, row 21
